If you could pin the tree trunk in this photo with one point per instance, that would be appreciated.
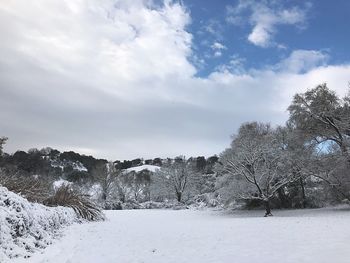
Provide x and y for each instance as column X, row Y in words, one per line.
column 303, row 196
column 283, row 198
column 179, row 195
column 148, row 195
column 267, row 208
column 104, row 196
column 122, row 197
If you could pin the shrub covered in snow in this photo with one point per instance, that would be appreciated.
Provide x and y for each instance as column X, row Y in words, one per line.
column 26, row 227
column 117, row 205
column 205, row 200
column 131, row 205
column 152, row 205
column 172, row 204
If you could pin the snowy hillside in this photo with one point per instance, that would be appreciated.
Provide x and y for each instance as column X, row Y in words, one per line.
column 187, row 236
column 78, row 166
column 27, row 227
column 151, row 168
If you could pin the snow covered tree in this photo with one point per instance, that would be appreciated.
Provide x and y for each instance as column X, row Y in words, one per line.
column 106, row 174
column 122, row 187
column 134, row 185
column 159, row 188
column 175, row 177
column 323, row 117
column 298, row 155
column 2, row 142
column 257, row 165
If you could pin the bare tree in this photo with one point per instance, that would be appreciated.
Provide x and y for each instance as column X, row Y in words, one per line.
column 133, row 185
column 2, row 142
column 256, row 163
column 106, row 175
column 125, row 189
column 297, row 154
column 32, row 187
column 333, row 170
column 159, row 188
column 176, row 176
column 140, row 184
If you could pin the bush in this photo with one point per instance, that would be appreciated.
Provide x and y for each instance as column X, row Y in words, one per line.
column 30, row 187
column 113, row 206
column 152, row 205
column 27, row 227
column 163, row 205
column 83, row 207
column 131, row 205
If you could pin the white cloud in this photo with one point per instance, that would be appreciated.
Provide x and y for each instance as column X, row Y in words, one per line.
column 236, row 65
column 213, row 27
column 122, row 40
column 218, row 48
column 265, row 17
column 272, row 88
column 113, row 78
column 260, row 36
column 217, row 53
column 301, row 61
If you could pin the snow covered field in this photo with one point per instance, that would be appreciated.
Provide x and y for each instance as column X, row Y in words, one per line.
column 165, row 236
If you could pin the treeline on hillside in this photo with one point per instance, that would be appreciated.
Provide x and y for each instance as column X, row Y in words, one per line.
column 304, row 163
column 111, row 184
column 73, row 167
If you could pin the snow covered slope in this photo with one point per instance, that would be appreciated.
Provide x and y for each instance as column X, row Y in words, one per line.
column 151, row 168
column 158, row 236
column 27, row 227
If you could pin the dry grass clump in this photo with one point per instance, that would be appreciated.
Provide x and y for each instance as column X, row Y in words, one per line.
column 83, row 207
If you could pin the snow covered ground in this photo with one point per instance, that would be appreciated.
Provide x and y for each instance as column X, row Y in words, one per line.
column 151, row 168
column 152, row 236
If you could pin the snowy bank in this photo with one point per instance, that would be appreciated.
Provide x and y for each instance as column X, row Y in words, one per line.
column 26, row 227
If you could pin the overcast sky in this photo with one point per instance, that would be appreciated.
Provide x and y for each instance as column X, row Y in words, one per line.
column 126, row 79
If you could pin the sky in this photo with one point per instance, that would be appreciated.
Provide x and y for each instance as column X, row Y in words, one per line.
column 122, row 79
